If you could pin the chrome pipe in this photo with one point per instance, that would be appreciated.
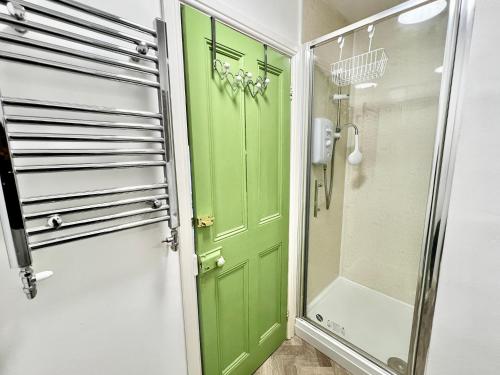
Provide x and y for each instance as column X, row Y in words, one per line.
column 105, row 15
column 94, row 220
column 164, row 107
column 44, row 104
column 123, row 202
column 116, row 228
column 35, row 120
column 90, row 194
column 75, row 21
column 11, row 211
column 76, row 69
column 81, row 137
column 19, row 40
column 73, row 37
column 85, row 166
column 18, row 153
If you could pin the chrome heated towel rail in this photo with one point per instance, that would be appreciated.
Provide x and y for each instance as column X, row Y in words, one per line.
column 138, row 55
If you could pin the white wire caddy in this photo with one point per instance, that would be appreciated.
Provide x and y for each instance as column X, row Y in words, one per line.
column 361, row 68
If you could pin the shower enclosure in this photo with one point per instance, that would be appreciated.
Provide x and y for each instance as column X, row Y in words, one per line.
column 379, row 146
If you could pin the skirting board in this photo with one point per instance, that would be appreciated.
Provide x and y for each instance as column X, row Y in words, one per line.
column 340, row 353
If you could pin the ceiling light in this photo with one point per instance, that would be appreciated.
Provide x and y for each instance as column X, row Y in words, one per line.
column 439, row 69
column 423, row 13
column 366, row 85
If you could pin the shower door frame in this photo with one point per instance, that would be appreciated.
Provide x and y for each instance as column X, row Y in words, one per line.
column 458, row 37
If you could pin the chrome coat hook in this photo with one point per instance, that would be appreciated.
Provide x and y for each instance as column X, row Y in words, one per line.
column 242, row 79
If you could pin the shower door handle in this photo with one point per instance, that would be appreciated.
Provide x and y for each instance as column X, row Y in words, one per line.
column 316, row 208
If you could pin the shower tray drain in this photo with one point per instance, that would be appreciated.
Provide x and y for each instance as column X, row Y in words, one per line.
column 398, row 365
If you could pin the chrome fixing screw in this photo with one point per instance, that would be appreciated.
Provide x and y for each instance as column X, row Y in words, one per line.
column 156, row 203
column 16, row 10
column 54, row 221
column 142, row 48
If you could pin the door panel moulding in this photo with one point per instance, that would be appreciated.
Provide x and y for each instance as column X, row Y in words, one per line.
column 171, row 11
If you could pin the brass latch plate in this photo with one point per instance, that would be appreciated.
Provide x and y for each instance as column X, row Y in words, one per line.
column 204, row 221
column 208, row 261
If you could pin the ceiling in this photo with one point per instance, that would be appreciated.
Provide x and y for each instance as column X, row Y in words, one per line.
column 355, row 10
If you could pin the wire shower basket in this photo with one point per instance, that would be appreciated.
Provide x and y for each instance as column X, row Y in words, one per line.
column 360, row 68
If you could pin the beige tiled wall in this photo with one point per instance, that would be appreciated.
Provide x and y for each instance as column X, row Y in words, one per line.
column 326, row 229
column 372, row 234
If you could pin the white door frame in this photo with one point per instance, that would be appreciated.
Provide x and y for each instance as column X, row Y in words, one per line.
column 188, row 262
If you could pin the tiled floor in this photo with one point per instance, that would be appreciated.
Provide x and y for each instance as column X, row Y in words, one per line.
column 296, row 357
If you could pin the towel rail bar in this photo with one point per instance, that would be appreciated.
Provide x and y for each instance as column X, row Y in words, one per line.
column 44, row 104
column 18, row 153
column 37, row 120
column 80, row 22
column 81, row 137
column 98, row 232
column 66, row 210
column 73, row 37
column 95, row 220
column 86, row 166
column 38, row 44
column 90, row 194
column 44, row 63
column 105, row 15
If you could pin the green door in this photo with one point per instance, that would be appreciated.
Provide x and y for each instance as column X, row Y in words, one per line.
column 240, row 165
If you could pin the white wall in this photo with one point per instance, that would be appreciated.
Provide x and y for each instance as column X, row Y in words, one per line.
column 276, row 19
column 320, row 18
column 465, row 337
column 113, row 305
column 325, row 230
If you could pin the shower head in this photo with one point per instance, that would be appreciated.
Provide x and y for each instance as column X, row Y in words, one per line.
column 355, row 157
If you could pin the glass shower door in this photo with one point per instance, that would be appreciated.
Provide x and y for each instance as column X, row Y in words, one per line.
column 373, row 131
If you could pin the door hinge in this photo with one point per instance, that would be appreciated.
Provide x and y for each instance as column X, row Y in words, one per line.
column 291, row 93
column 287, row 315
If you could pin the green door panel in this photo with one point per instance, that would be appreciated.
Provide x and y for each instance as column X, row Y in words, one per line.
column 240, row 171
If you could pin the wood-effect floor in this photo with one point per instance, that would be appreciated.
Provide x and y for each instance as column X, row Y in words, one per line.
column 296, row 357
